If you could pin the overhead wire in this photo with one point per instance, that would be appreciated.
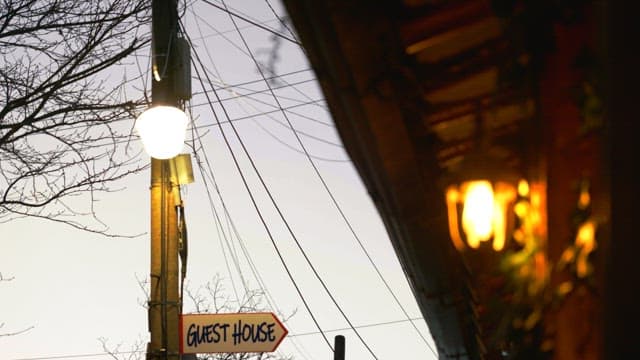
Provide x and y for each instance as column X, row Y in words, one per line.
column 271, row 237
column 237, row 47
column 78, row 356
column 255, row 23
column 345, row 219
column 233, row 87
column 325, row 185
column 249, row 26
column 274, row 32
column 261, row 112
column 227, row 87
column 272, row 77
column 276, row 110
column 250, row 94
column 268, row 114
column 254, row 203
column 332, row 197
column 281, row 20
column 230, row 223
column 364, row 326
column 268, row 192
column 219, row 228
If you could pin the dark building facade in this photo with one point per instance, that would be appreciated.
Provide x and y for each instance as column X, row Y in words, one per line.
column 419, row 89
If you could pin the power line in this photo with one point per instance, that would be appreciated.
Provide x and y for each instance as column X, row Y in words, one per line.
column 349, row 226
column 218, row 222
column 314, row 270
column 285, row 125
column 231, row 223
column 281, row 20
column 331, row 194
column 251, row 55
column 328, row 191
column 250, row 92
column 78, row 356
column 253, row 200
column 249, row 26
column 392, row 322
column 265, row 113
column 237, row 95
column 234, row 14
column 273, row 77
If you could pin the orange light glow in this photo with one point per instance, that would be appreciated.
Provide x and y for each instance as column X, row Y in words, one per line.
column 453, row 196
column 523, row 188
column 586, row 237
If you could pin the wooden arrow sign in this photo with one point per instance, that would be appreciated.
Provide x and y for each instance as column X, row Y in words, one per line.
column 230, row 333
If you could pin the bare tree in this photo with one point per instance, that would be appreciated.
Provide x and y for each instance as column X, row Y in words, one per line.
column 212, row 298
column 209, row 298
column 61, row 104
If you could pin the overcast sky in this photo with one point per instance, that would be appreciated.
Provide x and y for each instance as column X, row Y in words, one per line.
column 75, row 287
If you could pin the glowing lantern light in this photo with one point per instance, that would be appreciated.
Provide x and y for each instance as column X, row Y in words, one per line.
column 478, row 212
column 484, row 212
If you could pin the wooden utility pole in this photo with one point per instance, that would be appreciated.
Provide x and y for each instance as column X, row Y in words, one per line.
column 164, row 300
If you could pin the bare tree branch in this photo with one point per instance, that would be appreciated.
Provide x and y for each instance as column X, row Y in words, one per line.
column 207, row 298
column 63, row 117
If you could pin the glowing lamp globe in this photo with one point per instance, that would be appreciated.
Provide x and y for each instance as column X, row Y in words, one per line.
column 162, row 130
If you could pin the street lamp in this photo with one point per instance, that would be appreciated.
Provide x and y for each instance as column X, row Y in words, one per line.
column 162, row 130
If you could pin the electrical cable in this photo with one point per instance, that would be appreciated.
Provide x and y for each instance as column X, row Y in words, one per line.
column 76, row 356
column 347, row 222
column 256, row 274
column 251, row 56
column 340, row 209
column 337, row 206
column 250, row 92
column 234, row 14
column 273, row 77
column 253, row 200
column 392, row 322
column 235, row 95
column 333, row 198
column 281, row 20
column 219, row 228
column 217, row 74
column 278, row 110
column 249, row 26
column 314, row 270
column 252, row 266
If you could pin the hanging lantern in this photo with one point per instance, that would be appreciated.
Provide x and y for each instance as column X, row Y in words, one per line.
column 480, row 197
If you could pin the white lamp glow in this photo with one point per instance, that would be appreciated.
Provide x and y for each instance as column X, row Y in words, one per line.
column 162, row 130
column 478, row 212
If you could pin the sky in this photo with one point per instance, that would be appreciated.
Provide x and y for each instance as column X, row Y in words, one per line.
column 72, row 288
